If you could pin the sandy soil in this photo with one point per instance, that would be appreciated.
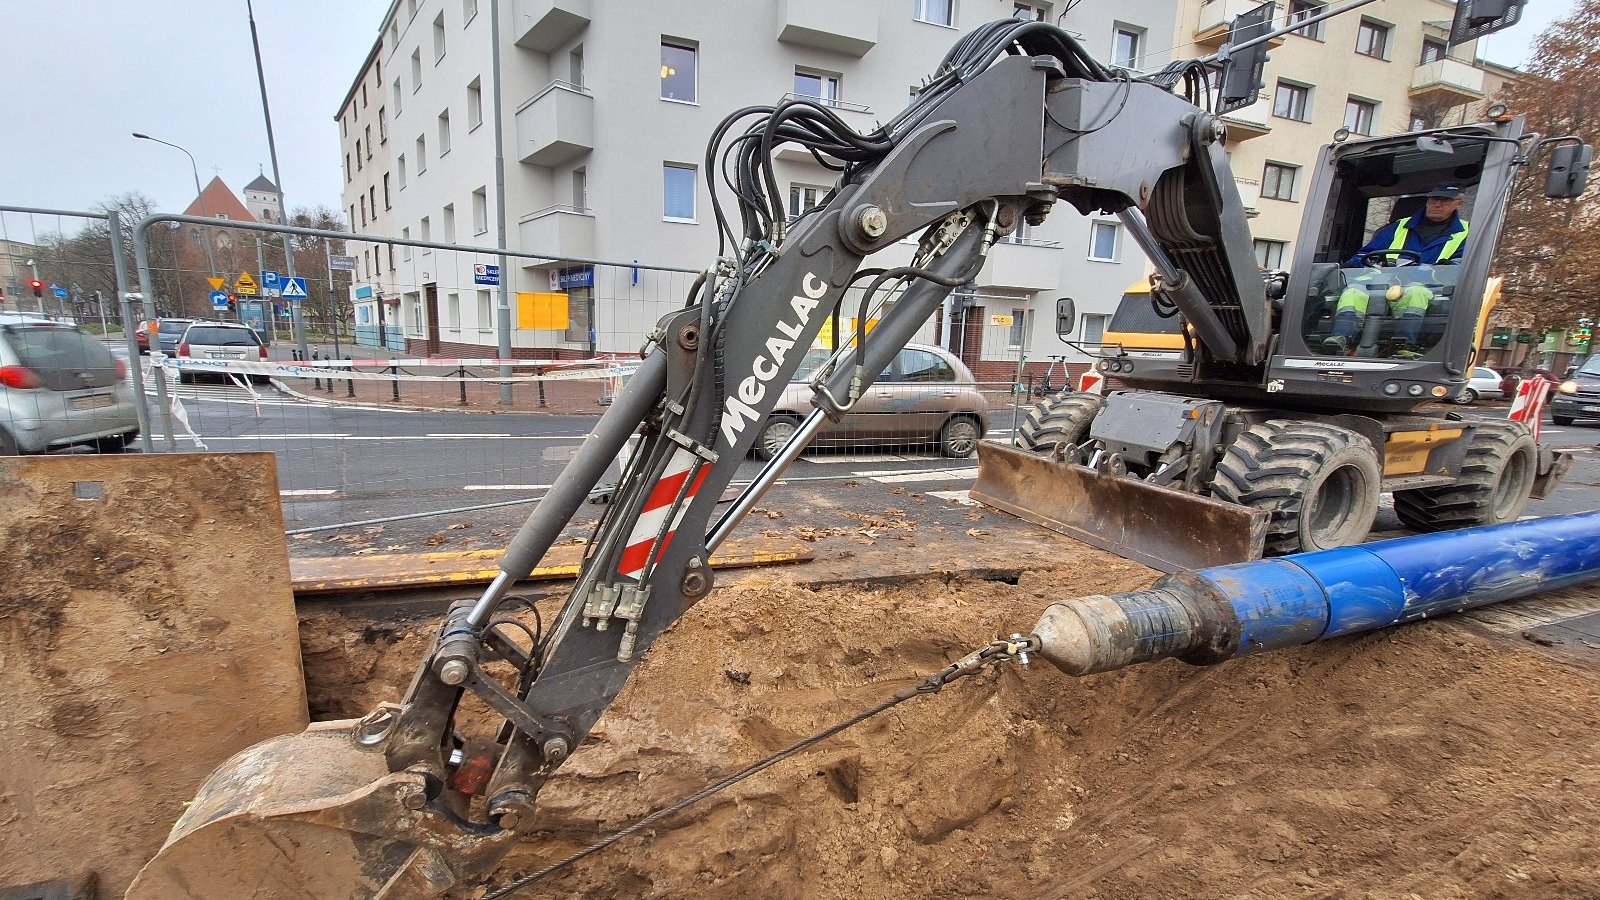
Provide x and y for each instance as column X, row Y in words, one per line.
column 1431, row 761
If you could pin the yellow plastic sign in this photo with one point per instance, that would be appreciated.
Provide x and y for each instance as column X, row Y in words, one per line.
column 1001, row 320
column 537, row 309
column 217, row 281
column 245, row 285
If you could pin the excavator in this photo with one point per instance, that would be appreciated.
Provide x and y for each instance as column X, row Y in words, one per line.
column 1016, row 120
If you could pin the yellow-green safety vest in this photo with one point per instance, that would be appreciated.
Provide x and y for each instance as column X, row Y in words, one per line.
column 1401, row 232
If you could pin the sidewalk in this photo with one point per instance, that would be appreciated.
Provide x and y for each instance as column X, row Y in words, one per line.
column 571, row 397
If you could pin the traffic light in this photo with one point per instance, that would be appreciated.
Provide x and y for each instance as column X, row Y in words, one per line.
column 232, row 302
column 38, row 287
column 1582, row 334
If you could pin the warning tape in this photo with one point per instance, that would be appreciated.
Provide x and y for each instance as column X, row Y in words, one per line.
column 298, row 370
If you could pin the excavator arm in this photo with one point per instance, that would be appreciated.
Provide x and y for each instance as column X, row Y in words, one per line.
column 400, row 804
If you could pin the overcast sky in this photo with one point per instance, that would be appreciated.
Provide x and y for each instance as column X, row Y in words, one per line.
column 81, row 75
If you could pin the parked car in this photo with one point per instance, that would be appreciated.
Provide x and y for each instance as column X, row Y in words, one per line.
column 167, row 334
column 1578, row 395
column 926, row 396
column 60, row 387
column 1511, row 378
column 141, row 336
column 219, row 340
column 1483, row 384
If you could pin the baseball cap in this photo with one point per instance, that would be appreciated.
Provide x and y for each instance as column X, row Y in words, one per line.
column 1448, row 189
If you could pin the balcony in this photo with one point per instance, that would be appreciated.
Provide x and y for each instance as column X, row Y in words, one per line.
column 544, row 25
column 1026, row 266
column 1450, row 80
column 1250, row 121
column 841, row 26
column 1216, row 20
column 560, row 232
column 556, row 125
column 1249, row 196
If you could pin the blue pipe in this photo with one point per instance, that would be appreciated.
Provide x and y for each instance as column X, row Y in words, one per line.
column 1224, row 612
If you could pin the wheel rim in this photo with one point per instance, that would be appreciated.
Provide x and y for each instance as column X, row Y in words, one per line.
column 1332, row 508
column 775, row 436
column 961, row 438
column 1508, row 490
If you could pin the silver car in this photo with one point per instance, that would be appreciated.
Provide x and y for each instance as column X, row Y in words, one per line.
column 1483, row 385
column 926, row 396
column 60, row 387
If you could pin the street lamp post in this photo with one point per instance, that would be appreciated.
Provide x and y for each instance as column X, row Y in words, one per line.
column 205, row 239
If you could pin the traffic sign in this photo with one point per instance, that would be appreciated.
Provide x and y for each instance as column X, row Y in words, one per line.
column 57, row 289
column 293, row 288
column 342, row 263
column 245, row 284
column 482, row 274
column 271, row 284
column 219, row 299
column 216, row 281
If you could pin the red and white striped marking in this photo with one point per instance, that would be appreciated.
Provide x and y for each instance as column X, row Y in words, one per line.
column 1528, row 406
column 1091, row 382
column 637, row 553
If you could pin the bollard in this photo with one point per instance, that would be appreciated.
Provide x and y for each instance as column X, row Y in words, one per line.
column 539, row 370
column 350, row 383
column 316, row 383
column 461, row 373
column 394, row 384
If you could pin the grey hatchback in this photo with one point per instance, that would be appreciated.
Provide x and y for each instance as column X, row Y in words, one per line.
column 925, row 396
column 60, row 387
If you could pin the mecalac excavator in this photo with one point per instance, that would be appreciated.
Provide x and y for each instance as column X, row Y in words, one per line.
column 1017, row 120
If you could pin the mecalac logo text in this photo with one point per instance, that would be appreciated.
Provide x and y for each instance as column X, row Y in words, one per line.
column 738, row 410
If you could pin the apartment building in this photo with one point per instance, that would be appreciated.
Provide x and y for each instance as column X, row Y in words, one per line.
column 606, row 111
column 1382, row 69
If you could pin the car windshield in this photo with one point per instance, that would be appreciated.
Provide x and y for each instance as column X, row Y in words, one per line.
column 1382, row 311
column 52, row 347
column 1591, row 366
column 175, row 326
column 223, row 337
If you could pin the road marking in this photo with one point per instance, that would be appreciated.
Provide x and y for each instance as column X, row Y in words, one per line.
column 288, row 437
column 505, row 487
column 934, row 475
column 397, row 437
column 308, row 492
column 467, row 435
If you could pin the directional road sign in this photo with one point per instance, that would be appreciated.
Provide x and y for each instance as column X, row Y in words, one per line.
column 217, row 281
column 219, row 299
column 485, row 274
column 342, row 263
column 245, row 285
column 57, row 289
column 293, row 288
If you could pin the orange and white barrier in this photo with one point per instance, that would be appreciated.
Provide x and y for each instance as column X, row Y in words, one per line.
column 1091, row 382
column 1528, row 406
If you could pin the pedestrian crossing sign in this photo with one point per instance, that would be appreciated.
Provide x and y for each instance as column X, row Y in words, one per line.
column 293, row 288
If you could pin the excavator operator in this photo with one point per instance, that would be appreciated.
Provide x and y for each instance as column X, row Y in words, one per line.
column 1435, row 236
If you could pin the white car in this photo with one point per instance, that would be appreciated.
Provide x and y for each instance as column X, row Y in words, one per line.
column 60, row 387
column 1484, row 384
column 218, row 341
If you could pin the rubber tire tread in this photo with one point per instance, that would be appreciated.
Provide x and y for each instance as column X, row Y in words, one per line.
column 1470, row 501
column 1269, row 466
column 1060, row 418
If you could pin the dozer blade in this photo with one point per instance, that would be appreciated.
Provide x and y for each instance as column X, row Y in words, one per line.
column 1163, row 528
column 312, row 815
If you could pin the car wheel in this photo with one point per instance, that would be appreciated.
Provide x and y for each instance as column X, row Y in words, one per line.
column 1467, row 397
column 774, row 434
column 1561, row 420
column 959, row 437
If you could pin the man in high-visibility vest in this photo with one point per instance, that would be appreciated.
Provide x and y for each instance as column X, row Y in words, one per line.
column 1437, row 236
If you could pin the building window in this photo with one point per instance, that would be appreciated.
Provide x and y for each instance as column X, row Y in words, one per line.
column 447, row 224
column 1028, row 12
column 480, row 210
column 344, row 126
column 1277, row 181
column 803, row 198
column 363, row 95
column 452, row 305
column 475, row 103
column 580, row 189
column 363, row 209
column 425, row 233
column 383, row 125
column 405, row 251
column 1372, row 39
column 422, row 153
column 1103, row 241
column 469, row 10
column 677, row 72
column 1020, row 235
column 358, row 154
column 1359, row 116
column 678, row 192
column 936, row 12
column 1305, row 9
column 372, row 200
column 396, row 98
column 391, row 257
column 1094, row 328
column 352, row 216
column 1125, row 48
column 444, row 132
column 1419, row 122
column 1292, row 101
column 818, row 85
column 1432, row 51
column 1018, row 338
column 485, row 312
column 400, row 167
column 438, row 38
column 1269, row 254
column 386, row 204
column 416, row 70
column 368, row 132
column 575, row 66
column 347, row 168
column 394, row 32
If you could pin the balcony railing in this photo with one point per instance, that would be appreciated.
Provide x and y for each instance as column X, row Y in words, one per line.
column 555, row 125
column 546, row 24
column 1027, row 266
column 1216, row 19
column 832, row 104
column 841, row 26
column 1249, row 195
column 1449, row 78
column 563, row 232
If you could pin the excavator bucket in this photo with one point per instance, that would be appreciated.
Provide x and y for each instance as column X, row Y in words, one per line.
column 314, row 816
column 1163, row 528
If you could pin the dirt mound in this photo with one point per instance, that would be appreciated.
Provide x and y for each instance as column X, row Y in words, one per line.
column 1430, row 761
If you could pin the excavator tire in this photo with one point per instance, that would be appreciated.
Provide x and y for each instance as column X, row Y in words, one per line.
column 1319, row 483
column 1059, row 419
column 1496, row 479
